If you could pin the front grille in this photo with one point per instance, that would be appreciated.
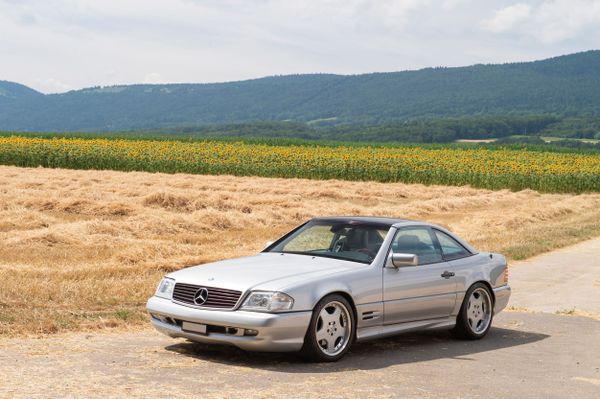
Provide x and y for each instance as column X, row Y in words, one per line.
column 217, row 297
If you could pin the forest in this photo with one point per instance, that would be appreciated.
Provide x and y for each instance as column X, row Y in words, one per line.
column 557, row 96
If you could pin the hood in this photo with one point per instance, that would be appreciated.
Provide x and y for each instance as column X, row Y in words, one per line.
column 268, row 271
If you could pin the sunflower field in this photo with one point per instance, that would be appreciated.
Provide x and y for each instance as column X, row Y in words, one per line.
column 479, row 167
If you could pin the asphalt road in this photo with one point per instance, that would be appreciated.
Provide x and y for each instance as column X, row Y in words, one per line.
column 527, row 354
column 564, row 281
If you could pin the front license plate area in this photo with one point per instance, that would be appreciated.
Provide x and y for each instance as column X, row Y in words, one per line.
column 194, row 327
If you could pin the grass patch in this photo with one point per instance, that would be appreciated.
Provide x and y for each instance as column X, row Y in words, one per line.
column 552, row 240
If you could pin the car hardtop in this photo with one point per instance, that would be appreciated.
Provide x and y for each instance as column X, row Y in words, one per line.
column 389, row 222
column 380, row 221
column 374, row 220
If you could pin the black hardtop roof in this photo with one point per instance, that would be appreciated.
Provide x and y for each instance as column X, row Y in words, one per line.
column 386, row 221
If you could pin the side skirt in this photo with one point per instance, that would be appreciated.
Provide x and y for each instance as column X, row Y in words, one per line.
column 366, row 333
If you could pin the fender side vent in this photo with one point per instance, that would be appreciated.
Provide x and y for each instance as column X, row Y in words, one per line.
column 370, row 315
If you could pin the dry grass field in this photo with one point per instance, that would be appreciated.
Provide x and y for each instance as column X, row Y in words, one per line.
column 85, row 249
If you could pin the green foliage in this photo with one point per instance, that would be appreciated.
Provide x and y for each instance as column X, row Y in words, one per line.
column 492, row 167
column 581, row 127
column 11, row 91
column 535, row 143
column 402, row 104
column 520, row 140
column 279, row 138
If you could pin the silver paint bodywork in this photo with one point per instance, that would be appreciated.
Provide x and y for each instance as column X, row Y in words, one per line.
column 387, row 299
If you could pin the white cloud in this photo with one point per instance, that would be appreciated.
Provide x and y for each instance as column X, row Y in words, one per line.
column 450, row 4
column 50, row 44
column 561, row 19
column 153, row 78
column 547, row 22
column 507, row 18
column 52, row 85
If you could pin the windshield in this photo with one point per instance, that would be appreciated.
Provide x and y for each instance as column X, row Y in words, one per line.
column 348, row 241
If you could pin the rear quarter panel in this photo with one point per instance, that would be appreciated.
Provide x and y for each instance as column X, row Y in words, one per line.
column 479, row 267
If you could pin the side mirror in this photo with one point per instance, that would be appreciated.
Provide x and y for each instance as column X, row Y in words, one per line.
column 402, row 260
column 268, row 244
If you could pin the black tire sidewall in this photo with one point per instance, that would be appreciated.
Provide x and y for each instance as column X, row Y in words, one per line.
column 462, row 323
column 311, row 348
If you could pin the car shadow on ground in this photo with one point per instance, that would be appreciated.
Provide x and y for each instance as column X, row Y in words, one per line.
column 406, row 348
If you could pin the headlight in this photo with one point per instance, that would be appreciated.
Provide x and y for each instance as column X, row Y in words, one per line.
column 165, row 288
column 267, row 301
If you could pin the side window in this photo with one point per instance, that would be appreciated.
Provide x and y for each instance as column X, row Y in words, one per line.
column 450, row 247
column 417, row 241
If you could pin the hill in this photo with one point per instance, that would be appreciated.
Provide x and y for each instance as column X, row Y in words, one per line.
column 566, row 86
column 11, row 91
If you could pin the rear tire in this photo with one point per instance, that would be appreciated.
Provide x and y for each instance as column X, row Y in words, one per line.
column 332, row 330
column 476, row 313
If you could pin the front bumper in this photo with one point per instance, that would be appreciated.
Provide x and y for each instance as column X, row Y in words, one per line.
column 501, row 295
column 277, row 332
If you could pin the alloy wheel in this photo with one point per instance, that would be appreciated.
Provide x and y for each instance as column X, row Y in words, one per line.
column 334, row 328
column 479, row 310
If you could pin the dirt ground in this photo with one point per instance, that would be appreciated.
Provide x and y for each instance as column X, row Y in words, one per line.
column 84, row 249
column 525, row 355
column 530, row 353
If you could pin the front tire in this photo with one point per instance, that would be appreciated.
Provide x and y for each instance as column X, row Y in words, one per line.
column 476, row 313
column 331, row 331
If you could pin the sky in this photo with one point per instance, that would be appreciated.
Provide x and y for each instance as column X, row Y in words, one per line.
column 60, row 45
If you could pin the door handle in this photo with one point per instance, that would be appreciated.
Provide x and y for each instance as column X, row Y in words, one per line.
column 447, row 274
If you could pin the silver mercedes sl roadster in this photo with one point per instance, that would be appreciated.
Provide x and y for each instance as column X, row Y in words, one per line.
column 334, row 281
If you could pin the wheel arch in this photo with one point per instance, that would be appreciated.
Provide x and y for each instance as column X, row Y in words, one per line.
column 346, row 296
column 311, row 348
column 489, row 287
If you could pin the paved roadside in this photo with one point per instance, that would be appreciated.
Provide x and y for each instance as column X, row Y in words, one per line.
column 563, row 281
column 525, row 355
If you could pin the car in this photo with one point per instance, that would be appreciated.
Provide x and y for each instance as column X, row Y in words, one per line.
column 334, row 281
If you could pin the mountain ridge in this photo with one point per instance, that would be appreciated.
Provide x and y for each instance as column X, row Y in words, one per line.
column 563, row 85
column 15, row 90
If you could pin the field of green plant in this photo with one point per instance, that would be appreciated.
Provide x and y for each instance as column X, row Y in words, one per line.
column 493, row 168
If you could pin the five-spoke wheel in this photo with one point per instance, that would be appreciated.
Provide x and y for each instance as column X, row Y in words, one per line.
column 331, row 331
column 479, row 310
column 334, row 326
column 476, row 313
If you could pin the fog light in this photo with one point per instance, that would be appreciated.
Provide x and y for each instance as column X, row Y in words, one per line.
column 250, row 333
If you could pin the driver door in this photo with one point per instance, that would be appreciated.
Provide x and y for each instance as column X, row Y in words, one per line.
column 425, row 291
